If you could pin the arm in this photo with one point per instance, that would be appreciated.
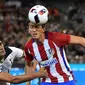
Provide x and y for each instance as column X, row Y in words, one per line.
column 34, row 65
column 77, row 40
column 4, row 76
column 32, row 68
column 27, row 71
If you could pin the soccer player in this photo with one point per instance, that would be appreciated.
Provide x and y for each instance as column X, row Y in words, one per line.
column 7, row 56
column 48, row 49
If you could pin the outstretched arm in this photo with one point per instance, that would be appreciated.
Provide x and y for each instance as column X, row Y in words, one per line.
column 77, row 40
column 4, row 76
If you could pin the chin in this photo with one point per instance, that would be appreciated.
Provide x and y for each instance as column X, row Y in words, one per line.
column 35, row 37
column 3, row 54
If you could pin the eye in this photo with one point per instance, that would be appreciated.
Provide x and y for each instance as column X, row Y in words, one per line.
column 31, row 26
column 0, row 43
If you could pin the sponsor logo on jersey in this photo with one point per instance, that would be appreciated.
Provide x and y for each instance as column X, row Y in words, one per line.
column 48, row 62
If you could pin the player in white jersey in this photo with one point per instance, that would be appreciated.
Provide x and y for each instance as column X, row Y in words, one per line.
column 7, row 61
column 7, row 56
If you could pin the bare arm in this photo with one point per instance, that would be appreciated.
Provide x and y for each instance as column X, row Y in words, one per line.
column 30, row 68
column 34, row 65
column 77, row 40
column 4, row 76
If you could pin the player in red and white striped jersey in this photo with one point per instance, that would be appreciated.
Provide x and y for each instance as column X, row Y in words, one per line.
column 48, row 49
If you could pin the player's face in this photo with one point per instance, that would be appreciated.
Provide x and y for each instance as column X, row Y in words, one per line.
column 36, row 31
column 2, row 50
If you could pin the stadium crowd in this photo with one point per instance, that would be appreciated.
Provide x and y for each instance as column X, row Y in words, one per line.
column 72, row 20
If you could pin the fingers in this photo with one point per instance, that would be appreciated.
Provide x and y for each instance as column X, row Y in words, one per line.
column 44, row 72
column 42, row 69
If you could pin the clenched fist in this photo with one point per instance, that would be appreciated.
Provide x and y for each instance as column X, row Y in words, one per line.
column 43, row 72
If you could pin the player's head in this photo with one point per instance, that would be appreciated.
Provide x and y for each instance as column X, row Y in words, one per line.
column 2, row 50
column 35, row 30
column 38, row 17
column 38, row 14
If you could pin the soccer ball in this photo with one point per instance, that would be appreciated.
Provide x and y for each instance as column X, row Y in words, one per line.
column 38, row 14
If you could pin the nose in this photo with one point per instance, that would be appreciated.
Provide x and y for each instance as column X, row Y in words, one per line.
column 34, row 29
column 1, row 47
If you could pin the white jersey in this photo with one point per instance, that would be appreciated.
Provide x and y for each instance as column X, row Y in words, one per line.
column 7, row 61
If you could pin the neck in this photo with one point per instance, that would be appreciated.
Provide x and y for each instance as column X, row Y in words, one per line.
column 41, row 39
column 1, row 57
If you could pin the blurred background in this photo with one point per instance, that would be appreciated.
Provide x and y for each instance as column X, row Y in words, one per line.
column 66, row 16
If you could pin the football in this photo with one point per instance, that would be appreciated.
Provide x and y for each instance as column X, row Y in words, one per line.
column 38, row 14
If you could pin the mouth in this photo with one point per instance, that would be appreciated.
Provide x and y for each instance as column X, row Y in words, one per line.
column 35, row 34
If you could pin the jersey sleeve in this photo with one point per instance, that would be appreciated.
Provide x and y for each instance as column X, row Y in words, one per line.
column 17, row 52
column 60, row 39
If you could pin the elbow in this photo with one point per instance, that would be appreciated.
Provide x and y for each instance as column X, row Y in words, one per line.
column 82, row 42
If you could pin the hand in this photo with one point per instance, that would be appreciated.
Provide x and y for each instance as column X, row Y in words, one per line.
column 43, row 72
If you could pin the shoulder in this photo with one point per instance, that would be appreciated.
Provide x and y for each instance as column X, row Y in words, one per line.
column 53, row 34
column 15, row 50
column 57, row 34
column 28, row 43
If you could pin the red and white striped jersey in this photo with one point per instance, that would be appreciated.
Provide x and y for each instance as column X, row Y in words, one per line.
column 51, row 55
